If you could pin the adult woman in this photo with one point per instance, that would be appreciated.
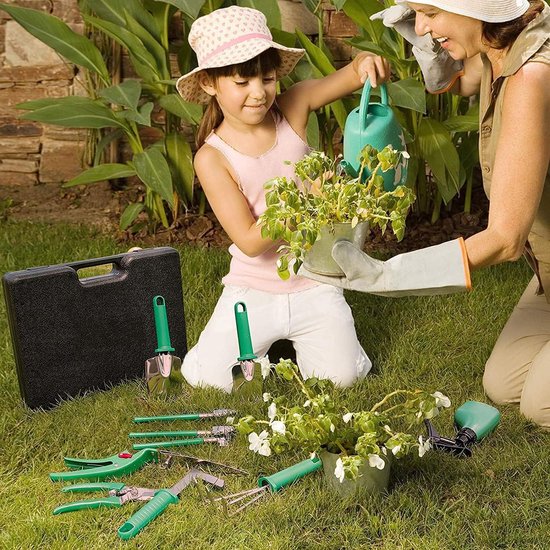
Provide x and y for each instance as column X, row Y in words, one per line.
column 501, row 50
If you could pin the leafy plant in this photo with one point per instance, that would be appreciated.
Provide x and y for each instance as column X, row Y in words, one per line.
column 322, row 194
column 313, row 420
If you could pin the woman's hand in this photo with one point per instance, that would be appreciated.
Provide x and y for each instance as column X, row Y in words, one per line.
column 367, row 65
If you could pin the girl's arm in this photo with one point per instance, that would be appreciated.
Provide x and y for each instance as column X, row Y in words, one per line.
column 309, row 95
column 228, row 202
column 520, row 169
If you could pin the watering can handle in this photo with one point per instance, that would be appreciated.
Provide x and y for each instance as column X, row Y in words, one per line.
column 365, row 98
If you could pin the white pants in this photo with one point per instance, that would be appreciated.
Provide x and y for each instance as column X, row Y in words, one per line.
column 318, row 321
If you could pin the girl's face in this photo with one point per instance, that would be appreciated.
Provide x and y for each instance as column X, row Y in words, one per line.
column 245, row 99
column 458, row 34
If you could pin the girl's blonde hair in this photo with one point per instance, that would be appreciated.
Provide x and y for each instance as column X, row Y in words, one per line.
column 264, row 63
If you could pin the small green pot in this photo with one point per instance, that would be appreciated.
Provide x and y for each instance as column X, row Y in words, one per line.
column 318, row 259
column 370, row 480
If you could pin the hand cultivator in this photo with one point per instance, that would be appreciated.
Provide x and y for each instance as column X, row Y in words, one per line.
column 267, row 485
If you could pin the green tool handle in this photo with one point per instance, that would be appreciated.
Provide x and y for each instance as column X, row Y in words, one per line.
column 108, row 502
column 161, row 325
column 166, row 444
column 147, row 514
column 188, row 433
column 141, row 419
column 87, row 487
column 113, row 466
column 243, row 333
column 289, row 475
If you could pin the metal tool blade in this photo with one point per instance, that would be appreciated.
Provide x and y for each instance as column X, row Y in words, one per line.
column 191, row 476
column 163, row 374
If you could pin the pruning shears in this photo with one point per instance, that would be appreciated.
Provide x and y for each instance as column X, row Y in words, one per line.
column 119, row 494
column 117, row 465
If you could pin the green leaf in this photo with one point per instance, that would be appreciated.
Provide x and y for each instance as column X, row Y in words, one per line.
column 437, row 148
column 131, row 212
column 126, row 94
column 58, row 35
column 75, row 112
column 464, row 123
column 141, row 116
column 360, row 11
column 144, row 63
column 189, row 7
column 312, row 131
column 270, row 8
column 106, row 9
column 317, row 57
column 101, row 173
column 153, row 170
column 188, row 112
column 180, row 160
column 408, row 93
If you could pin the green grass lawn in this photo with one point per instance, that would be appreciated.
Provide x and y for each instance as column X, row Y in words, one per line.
column 500, row 498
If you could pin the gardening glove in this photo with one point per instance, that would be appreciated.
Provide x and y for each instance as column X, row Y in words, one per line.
column 439, row 69
column 440, row 269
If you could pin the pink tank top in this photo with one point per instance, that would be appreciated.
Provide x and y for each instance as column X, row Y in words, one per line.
column 260, row 272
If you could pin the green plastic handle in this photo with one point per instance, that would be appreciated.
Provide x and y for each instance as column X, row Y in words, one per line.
column 243, row 333
column 147, row 514
column 108, row 502
column 87, row 487
column 166, row 444
column 136, row 435
column 291, row 474
column 161, row 325
column 113, row 466
column 141, row 419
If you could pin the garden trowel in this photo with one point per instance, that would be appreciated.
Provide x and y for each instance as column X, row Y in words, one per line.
column 245, row 369
column 162, row 372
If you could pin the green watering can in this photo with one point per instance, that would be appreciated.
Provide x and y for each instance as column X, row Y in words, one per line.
column 373, row 124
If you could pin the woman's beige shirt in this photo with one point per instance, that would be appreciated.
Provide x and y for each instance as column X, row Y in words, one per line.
column 532, row 45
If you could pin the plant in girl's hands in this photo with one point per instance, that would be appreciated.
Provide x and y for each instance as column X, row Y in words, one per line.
column 314, row 421
column 322, row 194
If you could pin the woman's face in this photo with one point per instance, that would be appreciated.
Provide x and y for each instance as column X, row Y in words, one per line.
column 458, row 34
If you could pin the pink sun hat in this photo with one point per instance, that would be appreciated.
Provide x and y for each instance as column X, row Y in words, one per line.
column 229, row 36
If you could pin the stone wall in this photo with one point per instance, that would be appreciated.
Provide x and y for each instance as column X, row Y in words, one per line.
column 32, row 154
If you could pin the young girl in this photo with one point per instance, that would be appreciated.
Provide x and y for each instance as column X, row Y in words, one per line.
column 249, row 135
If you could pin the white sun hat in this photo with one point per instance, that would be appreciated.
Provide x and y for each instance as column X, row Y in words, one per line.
column 490, row 11
column 229, row 36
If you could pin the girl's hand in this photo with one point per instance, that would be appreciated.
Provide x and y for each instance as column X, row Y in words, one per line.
column 367, row 65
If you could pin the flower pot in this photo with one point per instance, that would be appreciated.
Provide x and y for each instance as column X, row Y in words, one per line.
column 370, row 480
column 318, row 259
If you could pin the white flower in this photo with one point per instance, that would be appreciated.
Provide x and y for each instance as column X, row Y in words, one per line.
column 347, row 417
column 271, row 412
column 266, row 397
column 307, row 403
column 230, row 420
column 332, row 428
column 396, row 449
column 265, row 366
column 278, row 427
column 423, row 446
column 259, row 443
column 441, row 400
column 339, row 470
column 376, row 461
column 405, row 154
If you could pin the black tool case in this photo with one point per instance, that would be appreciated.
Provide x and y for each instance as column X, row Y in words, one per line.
column 71, row 335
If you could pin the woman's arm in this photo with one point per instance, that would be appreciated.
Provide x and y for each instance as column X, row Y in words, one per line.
column 521, row 164
column 228, row 202
column 309, row 95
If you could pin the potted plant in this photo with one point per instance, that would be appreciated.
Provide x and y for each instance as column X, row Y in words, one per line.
column 354, row 445
column 324, row 204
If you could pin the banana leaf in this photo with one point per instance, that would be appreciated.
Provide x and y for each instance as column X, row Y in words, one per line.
column 439, row 151
column 101, row 173
column 270, row 8
column 58, row 35
column 153, row 170
column 130, row 213
column 189, row 7
column 408, row 93
column 126, row 94
column 180, row 160
column 188, row 112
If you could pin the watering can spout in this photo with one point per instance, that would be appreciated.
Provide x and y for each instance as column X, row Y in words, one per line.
column 348, row 169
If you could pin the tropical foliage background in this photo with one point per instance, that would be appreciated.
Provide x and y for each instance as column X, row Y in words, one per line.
column 440, row 130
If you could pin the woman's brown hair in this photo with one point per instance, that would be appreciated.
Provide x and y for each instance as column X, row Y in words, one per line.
column 502, row 35
column 264, row 63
